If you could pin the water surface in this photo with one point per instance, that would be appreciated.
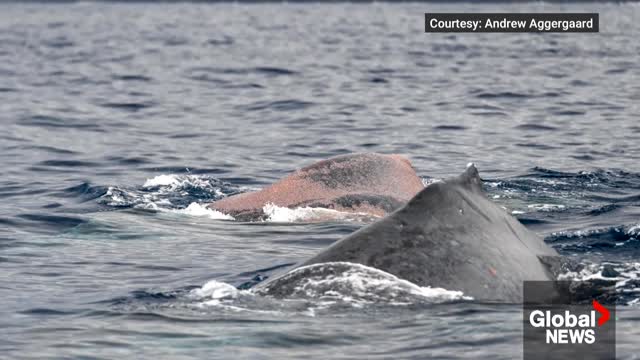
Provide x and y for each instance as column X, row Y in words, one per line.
column 116, row 117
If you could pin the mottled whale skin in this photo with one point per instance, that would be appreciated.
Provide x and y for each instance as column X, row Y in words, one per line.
column 450, row 235
column 366, row 183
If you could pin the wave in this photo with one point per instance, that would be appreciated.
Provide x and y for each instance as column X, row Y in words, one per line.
column 625, row 276
column 356, row 284
column 606, row 237
column 325, row 288
column 169, row 192
column 545, row 198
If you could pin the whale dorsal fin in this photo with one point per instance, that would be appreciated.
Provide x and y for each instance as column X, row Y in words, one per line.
column 470, row 178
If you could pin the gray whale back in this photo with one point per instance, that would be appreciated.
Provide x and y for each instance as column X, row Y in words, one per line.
column 450, row 235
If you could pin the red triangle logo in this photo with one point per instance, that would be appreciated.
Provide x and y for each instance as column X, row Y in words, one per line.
column 605, row 315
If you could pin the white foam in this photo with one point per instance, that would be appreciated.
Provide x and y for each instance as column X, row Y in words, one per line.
column 215, row 290
column 550, row 182
column 115, row 195
column 428, row 181
column 587, row 274
column 546, row 207
column 172, row 182
column 358, row 284
column 282, row 214
column 195, row 209
column 223, row 296
column 579, row 233
column 353, row 285
column 157, row 193
column 162, row 180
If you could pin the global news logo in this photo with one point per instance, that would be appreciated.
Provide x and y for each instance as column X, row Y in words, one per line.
column 570, row 328
column 569, row 320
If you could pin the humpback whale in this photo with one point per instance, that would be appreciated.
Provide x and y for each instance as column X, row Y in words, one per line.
column 366, row 183
column 450, row 235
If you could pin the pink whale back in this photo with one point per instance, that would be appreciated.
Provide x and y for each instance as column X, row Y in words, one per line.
column 352, row 183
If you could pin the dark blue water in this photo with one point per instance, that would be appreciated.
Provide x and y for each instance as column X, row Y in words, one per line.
column 116, row 118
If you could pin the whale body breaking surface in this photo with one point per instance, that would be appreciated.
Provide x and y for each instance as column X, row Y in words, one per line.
column 450, row 236
column 366, row 183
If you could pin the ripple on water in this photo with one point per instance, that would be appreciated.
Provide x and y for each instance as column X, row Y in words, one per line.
column 280, row 105
column 52, row 122
column 45, row 223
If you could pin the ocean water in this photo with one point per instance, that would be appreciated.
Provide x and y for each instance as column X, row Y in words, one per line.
column 119, row 121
